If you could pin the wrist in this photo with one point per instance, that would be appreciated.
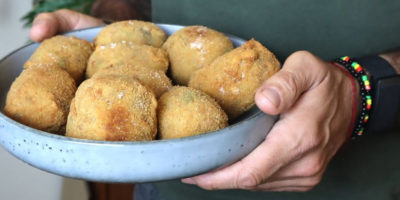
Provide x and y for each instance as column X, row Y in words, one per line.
column 355, row 96
column 356, row 90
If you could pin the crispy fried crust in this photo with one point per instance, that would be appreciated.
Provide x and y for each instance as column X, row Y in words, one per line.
column 156, row 80
column 40, row 98
column 113, row 108
column 233, row 78
column 135, row 31
column 67, row 52
column 185, row 111
column 193, row 47
column 125, row 53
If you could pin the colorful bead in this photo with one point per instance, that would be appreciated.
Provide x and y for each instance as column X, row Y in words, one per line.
column 358, row 72
column 360, row 132
column 355, row 65
column 345, row 58
column 364, row 78
column 366, row 118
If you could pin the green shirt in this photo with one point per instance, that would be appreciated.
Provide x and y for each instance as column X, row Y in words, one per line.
column 368, row 168
column 327, row 28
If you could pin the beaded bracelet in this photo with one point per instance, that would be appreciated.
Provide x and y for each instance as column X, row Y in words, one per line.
column 365, row 91
column 353, row 87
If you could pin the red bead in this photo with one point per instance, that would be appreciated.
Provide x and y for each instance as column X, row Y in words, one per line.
column 347, row 58
column 368, row 87
column 368, row 107
column 359, row 69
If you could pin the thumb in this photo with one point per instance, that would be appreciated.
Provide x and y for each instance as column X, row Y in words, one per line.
column 300, row 72
column 46, row 25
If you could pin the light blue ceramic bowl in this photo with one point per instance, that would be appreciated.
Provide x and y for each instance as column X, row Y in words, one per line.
column 125, row 161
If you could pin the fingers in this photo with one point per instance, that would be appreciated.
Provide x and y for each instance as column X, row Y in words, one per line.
column 282, row 90
column 46, row 25
column 291, row 189
column 310, row 165
column 252, row 170
column 305, row 182
column 301, row 175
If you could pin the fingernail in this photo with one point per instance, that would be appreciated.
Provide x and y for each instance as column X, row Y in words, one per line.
column 188, row 181
column 272, row 96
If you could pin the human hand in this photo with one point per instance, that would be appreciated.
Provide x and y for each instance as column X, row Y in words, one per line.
column 46, row 25
column 314, row 100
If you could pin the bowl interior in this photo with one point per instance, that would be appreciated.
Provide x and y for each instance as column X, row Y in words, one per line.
column 12, row 65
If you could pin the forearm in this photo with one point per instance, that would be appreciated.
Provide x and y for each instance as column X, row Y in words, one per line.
column 393, row 58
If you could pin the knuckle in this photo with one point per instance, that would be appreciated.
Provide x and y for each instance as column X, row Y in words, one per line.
column 305, row 189
column 307, row 61
column 249, row 179
column 303, row 58
column 288, row 82
column 313, row 137
column 291, row 81
column 300, row 54
column 315, row 140
column 312, row 169
column 315, row 181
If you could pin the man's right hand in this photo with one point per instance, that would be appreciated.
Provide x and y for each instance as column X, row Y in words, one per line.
column 46, row 25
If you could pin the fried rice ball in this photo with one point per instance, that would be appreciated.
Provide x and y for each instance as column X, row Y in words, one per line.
column 185, row 111
column 113, row 108
column 233, row 78
column 125, row 53
column 156, row 80
column 40, row 98
column 138, row 32
column 67, row 52
column 193, row 47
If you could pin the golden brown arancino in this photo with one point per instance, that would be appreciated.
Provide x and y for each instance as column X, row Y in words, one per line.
column 113, row 108
column 125, row 53
column 193, row 47
column 185, row 111
column 135, row 31
column 67, row 52
column 40, row 98
column 156, row 80
column 233, row 78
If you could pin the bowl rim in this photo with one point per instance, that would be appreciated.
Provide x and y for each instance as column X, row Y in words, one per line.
column 16, row 124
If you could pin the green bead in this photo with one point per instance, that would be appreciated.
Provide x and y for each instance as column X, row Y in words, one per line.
column 364, row 78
